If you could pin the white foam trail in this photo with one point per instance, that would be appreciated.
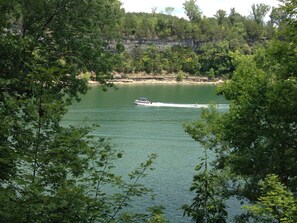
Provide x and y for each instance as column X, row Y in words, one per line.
column 171, row 105
column 159, row 104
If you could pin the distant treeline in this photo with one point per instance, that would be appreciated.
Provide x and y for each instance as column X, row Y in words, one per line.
column 217, row 36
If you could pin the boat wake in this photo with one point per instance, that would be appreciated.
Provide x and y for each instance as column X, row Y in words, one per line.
column 171, row 105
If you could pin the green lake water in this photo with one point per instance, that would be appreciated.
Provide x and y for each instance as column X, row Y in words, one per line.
column 139, row 131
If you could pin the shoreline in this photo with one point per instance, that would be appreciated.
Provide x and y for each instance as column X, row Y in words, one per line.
column 159, row 81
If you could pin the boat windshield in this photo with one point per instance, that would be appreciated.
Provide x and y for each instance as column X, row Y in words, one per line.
column 143, row 99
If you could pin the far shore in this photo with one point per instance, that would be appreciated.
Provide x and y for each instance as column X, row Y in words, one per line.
column 162, row 80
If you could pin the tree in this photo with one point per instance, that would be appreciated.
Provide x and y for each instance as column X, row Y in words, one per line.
column 210, row 30
column 169, row 10
column 259, row 12
column 209, row 185
column 180, row 76
column 220, row 16
column 45, row 52
column 215, row 56
column 260, row 126
column 236, row 38
column 254, row 31
column 171, row 60
column 154, row 9
column 276, row 202
column 259, row 103
column 190, row 62
column 211, row 74
column 277, row 16
column 151, row 60
column 192, row 10
column 208, row 205
column 49, row 172
column 234, row 17
column 129, row 25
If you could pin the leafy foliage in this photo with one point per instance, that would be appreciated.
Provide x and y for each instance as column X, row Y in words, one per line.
column 208, row 204
column 192, row 10
column 208, row 184
column 50, row 172
column 259, row 11
column 208, row 39
column 275, row 203
column 255, row 141
column 216, row 56
column 151, row 60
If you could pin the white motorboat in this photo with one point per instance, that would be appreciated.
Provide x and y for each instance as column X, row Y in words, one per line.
column 142, row 101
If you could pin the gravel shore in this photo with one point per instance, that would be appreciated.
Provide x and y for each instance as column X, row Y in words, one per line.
column 157, row 79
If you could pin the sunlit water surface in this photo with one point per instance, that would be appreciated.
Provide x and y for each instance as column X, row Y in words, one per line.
column 139, row 131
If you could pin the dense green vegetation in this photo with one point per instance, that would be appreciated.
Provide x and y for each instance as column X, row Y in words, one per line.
column 255, row 142
column 210, row 40
column 49, row 172
column 53, row 173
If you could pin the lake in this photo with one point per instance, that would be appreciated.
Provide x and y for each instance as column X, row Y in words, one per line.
column 139, row 131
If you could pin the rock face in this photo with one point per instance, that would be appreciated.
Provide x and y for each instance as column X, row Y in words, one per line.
column 161, row 44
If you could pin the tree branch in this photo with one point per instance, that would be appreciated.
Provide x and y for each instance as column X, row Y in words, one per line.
column 56, row 12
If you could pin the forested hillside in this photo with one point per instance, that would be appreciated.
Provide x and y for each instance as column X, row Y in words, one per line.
column 161, row 43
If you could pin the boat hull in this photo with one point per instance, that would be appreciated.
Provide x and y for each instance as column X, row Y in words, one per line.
column 137, row 102
column 171, row 105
